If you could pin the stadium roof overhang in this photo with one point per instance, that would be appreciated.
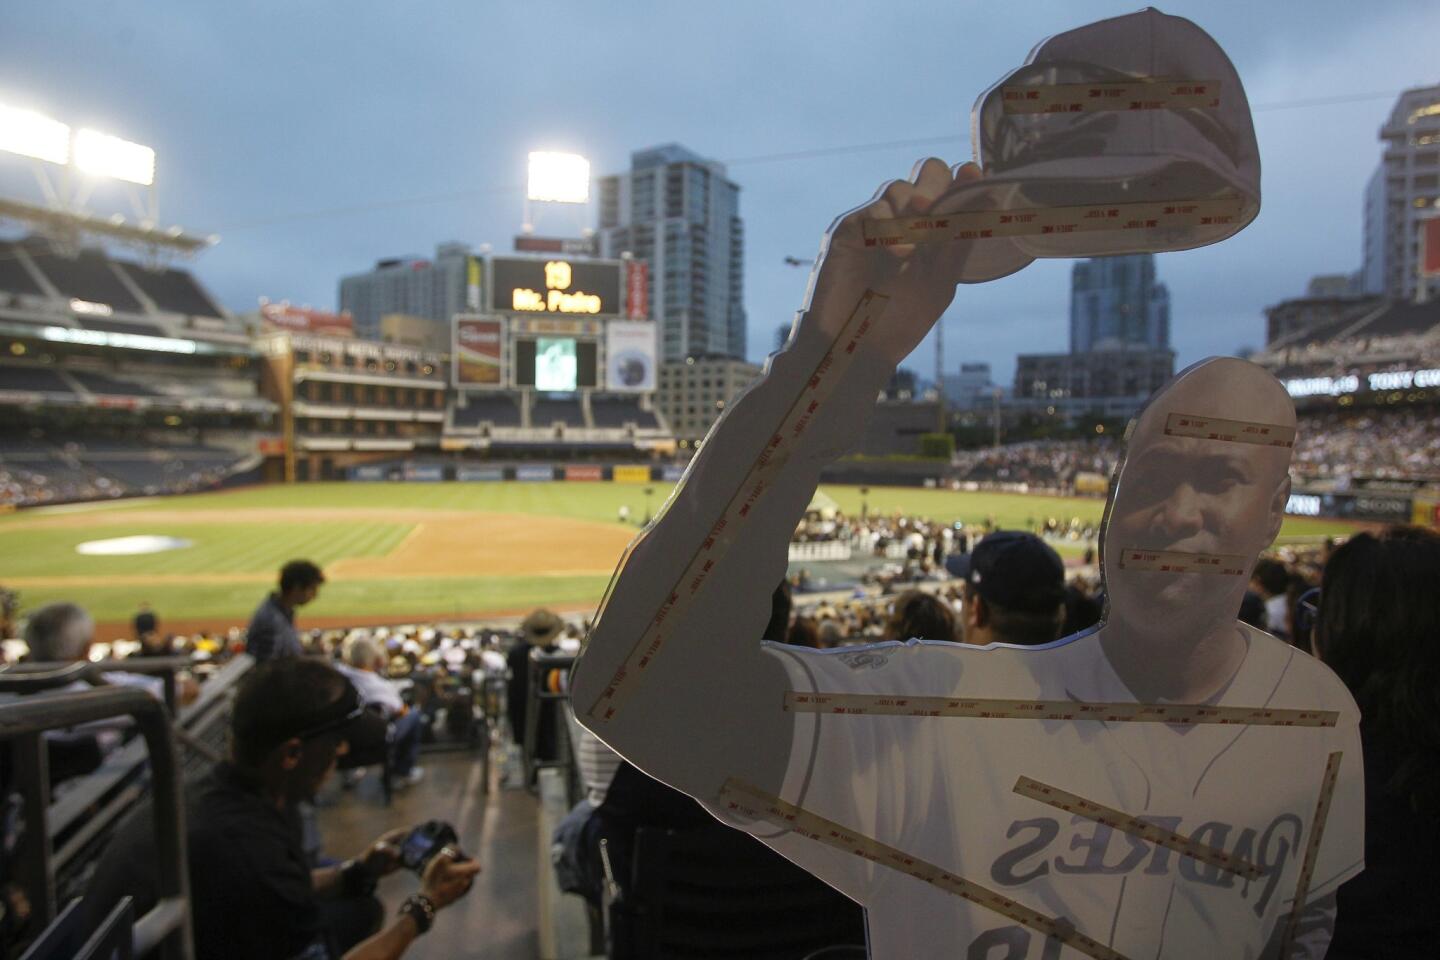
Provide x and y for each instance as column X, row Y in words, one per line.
column 69, row 225
column 55, row 333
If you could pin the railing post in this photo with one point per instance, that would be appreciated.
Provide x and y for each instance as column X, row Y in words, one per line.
column 32, row 853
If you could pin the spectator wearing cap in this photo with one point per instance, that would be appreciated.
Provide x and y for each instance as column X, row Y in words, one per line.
column 252, row 891
column 364, row 666
column 272, row 631
column 1014, row 590
column 540, row 630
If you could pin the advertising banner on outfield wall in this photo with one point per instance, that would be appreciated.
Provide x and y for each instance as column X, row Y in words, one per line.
column 1386, row 507
column 584, row 472
column 424, row 472
column 478, row 343
column 630, row 356
column 479, row 474
column 631, row 474
column 534, row 473
column 369, row 473
column 672, row 473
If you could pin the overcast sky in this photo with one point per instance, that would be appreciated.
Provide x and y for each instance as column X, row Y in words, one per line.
column 317, row 137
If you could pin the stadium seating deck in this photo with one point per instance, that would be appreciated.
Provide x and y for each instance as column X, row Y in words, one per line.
column 97, row 382
column 14, row 278
column 501, row 411
column 142, row 474
column 546, row 412
column 39, row 379
column 172, row 290
column 86, row 277
column 1401, row 319
column 121, row 326
column 615, row 412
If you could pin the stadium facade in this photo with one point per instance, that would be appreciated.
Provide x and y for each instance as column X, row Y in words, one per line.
column 1116, row 303
column 119, row 379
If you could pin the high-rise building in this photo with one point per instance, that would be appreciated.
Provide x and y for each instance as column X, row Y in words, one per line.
column 1117, row 304
column 433, row 289
column 679, row 212
column 1403, row 190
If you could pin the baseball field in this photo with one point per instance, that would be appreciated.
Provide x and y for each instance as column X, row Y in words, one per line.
column 392, row 551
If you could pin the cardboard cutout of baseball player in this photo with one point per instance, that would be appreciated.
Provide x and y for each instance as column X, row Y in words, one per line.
column 1171, row 784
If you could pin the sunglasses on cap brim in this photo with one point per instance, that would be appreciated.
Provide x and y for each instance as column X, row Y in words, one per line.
column 343, row 712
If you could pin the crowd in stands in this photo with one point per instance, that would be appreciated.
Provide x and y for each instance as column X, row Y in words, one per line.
column 1397, row 444
column 34, row 471
column 1043, row 464
column 367, row 695
column 1402, row 444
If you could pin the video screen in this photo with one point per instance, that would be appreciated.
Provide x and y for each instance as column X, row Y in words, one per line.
column 555, row 366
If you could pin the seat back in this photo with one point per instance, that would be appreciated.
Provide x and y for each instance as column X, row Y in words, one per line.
column 717, row 893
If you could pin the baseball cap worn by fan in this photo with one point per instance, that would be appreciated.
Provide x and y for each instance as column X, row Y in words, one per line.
column 363, row 730
column 1142, row 114
column 1015, row 571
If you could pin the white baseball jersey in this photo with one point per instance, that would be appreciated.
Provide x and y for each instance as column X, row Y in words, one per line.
column 941, row 789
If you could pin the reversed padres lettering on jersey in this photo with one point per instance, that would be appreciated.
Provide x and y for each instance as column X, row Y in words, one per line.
column 1090, row 848
column 1125, row 823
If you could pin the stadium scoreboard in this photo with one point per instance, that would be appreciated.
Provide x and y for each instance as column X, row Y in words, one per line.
column 561, row 286
column 557, row 324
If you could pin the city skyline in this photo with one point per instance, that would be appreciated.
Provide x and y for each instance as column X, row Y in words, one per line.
column 316, row 143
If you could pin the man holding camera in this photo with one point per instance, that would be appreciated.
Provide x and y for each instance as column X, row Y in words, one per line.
column 252, row 891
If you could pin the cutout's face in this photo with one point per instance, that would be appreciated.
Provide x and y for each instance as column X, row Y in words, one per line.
column 1195, row 496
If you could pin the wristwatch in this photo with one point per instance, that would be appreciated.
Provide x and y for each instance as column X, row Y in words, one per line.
column 421, row 909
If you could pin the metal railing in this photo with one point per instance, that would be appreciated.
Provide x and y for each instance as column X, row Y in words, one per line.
column 23, row 721
column 541, row 698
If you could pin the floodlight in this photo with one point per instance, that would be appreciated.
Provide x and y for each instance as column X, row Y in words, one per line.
column 32, row 134
column 107, row 156
column 559, row 178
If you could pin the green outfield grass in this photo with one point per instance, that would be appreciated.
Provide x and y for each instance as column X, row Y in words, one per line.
column 358, row 599
column 242, row 556
column 218, row 548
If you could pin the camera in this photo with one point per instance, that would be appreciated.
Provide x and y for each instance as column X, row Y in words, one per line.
column 425, row 841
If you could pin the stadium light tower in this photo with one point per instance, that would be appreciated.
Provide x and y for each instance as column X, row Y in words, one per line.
column 85, row 157
column 556, row 178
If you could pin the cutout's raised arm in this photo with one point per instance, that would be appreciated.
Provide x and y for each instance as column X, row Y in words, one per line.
column 674, row 676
